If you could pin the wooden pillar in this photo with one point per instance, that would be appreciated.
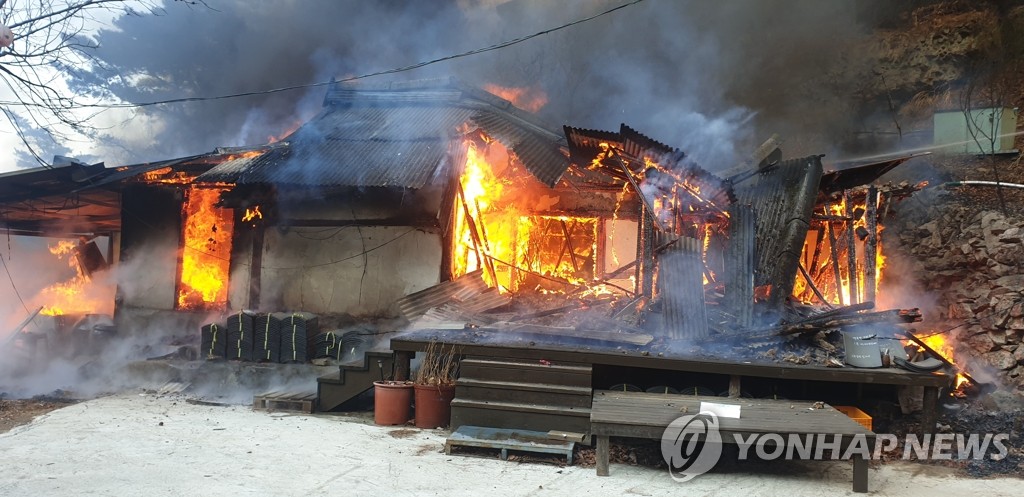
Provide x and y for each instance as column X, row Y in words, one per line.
column 403, row 362
column 734, row 386
column 860, row 474
column 929, row 410
column 256, row 268
column 602, row 454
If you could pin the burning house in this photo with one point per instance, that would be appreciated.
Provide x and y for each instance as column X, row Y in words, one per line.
column 575, row 261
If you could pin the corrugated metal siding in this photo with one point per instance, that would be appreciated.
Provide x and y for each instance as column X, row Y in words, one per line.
column 680, row 272
column 460, row 289
column 783, row 201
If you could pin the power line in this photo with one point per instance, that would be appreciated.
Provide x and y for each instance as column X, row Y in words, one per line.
column 318, row 84
column 15, row 287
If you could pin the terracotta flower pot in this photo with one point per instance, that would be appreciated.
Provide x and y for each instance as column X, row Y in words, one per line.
column 391, row 402
column 433, row 405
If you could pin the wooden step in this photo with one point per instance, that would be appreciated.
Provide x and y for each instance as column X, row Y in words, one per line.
column 528, row 393
column 351, row 380
column 570, row 367
column 522, row 407
column 525, row 372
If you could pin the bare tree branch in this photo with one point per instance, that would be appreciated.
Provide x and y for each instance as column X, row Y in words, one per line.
column 52, row 37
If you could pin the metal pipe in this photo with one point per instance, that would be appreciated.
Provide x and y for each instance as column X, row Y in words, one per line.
column 953, row 184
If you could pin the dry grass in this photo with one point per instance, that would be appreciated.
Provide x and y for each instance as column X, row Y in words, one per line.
column 439, row 366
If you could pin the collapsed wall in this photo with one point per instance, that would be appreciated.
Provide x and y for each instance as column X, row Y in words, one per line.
column 971, row 259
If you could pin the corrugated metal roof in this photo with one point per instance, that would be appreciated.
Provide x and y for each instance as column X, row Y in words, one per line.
column 395, row 135
column 541, row 156
column 849, row 175
column 354, row 146
column 584, row 146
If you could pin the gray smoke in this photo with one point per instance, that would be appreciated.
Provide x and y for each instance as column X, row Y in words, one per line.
column 712, row 78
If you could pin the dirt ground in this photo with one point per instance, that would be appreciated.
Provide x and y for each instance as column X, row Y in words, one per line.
column 19, row 412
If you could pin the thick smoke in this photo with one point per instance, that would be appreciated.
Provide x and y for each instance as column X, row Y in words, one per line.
column 712, row 78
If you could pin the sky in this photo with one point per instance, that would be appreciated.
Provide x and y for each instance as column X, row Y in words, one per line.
column 712, row 78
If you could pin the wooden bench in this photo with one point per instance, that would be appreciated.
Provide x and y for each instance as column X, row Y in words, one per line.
column 645, row 415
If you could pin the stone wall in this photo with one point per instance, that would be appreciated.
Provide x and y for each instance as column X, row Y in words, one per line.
column 973, row 262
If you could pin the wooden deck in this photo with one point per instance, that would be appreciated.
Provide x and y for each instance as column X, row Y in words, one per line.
column 467, row 342
column 464, row 341
column 645, row 415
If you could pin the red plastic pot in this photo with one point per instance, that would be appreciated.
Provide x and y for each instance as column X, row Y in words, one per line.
column 392, row 401
column 434, row 405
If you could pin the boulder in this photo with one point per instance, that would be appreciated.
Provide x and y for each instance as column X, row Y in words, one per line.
column 1001, row 359
column 981, row 343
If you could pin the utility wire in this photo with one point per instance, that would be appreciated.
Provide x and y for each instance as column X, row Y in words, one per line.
column 15, row 287
column 318, row 84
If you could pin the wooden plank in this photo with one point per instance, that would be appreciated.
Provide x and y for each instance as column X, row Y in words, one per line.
column 523, row 407
column 522, row 394
column 757, row 415
column 603, row 336
column 418, row 341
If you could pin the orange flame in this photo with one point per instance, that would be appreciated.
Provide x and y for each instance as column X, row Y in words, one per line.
column 206, row 250
column 824, row 278
column 252, row 214
column 498, row 225
column 527, row 98
column 286, row 133
column 78, row 295
column 946, row 349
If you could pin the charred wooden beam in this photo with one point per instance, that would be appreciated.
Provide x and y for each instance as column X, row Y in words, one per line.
column 817, row 251
column 851, row 251
column 568, row 245
column 890, row 316
column 871, row 244
column 839, row 311
column 834, row 253
column 645, row 254
column 632, row 181
column 814, row 288
column 475, row 236
column 539, row 275
column 935, row 354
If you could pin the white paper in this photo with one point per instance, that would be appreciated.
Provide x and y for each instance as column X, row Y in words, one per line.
column 721, row 410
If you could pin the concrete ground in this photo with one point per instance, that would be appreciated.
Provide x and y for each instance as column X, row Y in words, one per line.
column 161, row 445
